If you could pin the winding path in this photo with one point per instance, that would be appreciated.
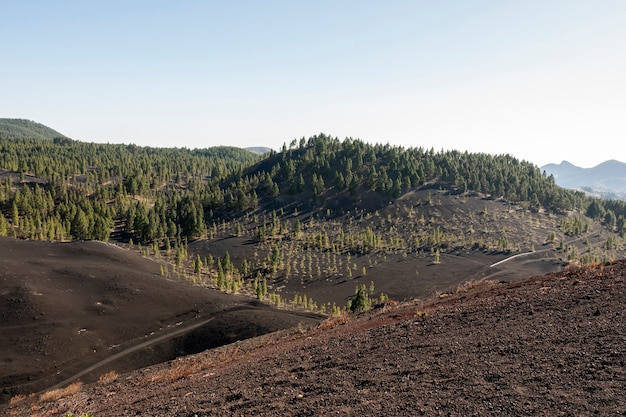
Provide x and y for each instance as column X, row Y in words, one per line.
column 130, row 350
column 538, row 251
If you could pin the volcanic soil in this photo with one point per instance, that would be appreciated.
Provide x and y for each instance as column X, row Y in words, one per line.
column 402, row 275
column 549, row 345
column 80, row 309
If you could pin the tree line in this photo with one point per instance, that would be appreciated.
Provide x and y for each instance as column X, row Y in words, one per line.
column 63, row 189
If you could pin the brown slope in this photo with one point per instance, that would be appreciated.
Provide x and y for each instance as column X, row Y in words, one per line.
column 550, row 345
column 65, row 307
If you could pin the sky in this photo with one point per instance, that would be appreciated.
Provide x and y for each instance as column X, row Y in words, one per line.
column 542, row 80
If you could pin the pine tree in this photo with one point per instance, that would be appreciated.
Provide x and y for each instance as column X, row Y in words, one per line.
column 15, row 215
column 80, row 225
column 197, row 265
column 3, row 225
column 361, row 300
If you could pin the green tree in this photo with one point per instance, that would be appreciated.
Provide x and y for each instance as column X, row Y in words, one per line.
column 610, row 220
column 197, row 265
column 360, row 302
column 245, row 267
column 15, row 215
column 80, row 225
column 3, row 225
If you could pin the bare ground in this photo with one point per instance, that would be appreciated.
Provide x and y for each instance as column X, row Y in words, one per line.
column 550, row 345
column 401, row 274
column 68, row 308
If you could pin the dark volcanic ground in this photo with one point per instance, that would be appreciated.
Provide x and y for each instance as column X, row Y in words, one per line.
column 83, row 308
column 552, row 345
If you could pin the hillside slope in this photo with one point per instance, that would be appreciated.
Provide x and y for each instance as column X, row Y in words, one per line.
column 67, row 307
column 468, row 230
column 549, row 345
column 26, row 129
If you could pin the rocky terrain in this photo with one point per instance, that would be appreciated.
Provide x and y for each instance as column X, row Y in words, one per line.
column 548, row 345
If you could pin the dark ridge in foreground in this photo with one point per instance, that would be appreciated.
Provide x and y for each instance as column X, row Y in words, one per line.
column 549, row 345
column 80, row 309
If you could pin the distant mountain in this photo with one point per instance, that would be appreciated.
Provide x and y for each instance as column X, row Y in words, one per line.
column 260, row 150
column 22, row 129
column 607, row 180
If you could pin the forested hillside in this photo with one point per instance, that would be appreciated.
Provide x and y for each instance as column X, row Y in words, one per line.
column 77, row 190
column 324, row 164
column 26, row 129
column 318, row 209
column 65, row 189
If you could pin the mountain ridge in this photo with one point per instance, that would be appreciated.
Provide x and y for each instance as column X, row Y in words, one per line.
column 606, row 180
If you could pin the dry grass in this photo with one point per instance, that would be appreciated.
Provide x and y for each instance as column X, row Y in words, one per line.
column 421, row 313
column 334, row 321
column 389, row 306
column 185, row 367
column 108, row 377
column 56, row 394
column 16, row 399
column 473, row 285
column 177, row 372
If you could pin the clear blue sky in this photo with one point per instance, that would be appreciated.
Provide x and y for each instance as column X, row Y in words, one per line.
column 541, row 80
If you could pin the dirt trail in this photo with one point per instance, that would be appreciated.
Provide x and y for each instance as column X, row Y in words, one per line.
column 131, row 349
column 519, row 255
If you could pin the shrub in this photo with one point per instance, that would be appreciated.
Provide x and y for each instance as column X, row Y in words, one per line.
column 56, row 394
column 16, row 399
column 108, row 377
